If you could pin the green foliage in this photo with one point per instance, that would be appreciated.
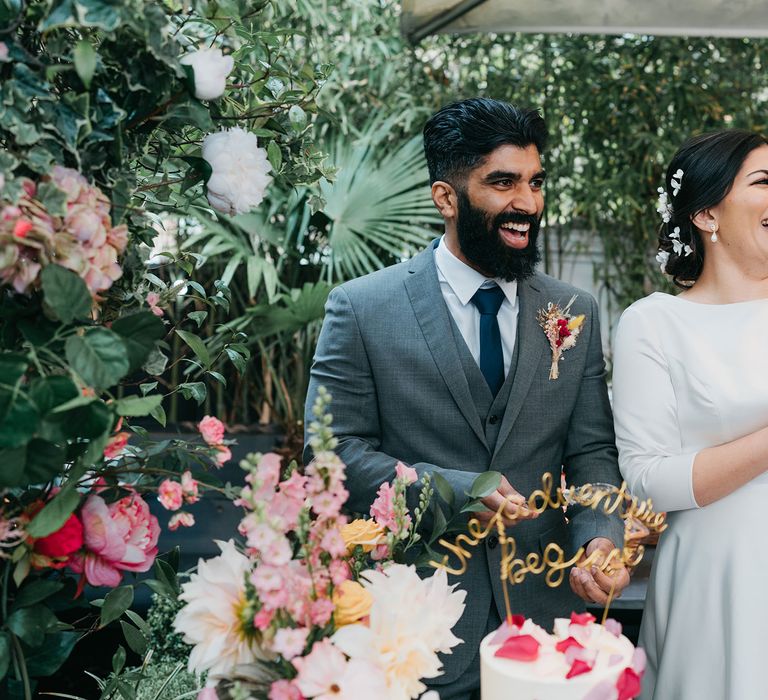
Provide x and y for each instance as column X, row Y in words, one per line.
column 166, row 644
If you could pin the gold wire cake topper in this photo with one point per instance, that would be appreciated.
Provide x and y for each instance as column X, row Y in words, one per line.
column 639, row 521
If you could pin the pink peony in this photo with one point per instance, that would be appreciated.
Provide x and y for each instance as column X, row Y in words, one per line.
column 382, row 510
column 190, row 488
column 170, row 494
column 121, row 536
column 404, row 472
column 289, row 643
column 212, row 430
column 284, row 690
column 181, row 519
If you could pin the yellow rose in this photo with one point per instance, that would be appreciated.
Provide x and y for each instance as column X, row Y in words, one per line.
column 365, row 533
column 352, row 602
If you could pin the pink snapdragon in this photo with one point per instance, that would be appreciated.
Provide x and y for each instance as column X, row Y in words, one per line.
column 223, row 455
column 408, row 474
column 170, row 494
column 383, row 508
column 121, row 536
column 212, row 430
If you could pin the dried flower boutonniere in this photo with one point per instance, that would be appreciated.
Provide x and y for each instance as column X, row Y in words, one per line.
column 561, row 330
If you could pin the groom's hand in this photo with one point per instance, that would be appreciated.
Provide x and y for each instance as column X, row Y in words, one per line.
column 515, row 506
column 594, row 585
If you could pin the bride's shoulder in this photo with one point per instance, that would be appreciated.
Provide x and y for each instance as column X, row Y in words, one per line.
column 649, row 312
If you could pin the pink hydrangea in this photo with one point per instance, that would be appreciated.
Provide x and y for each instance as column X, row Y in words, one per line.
column 289, row 643
column 181, row 519
column 170, row 494
column 212, row 430
column 121, row 536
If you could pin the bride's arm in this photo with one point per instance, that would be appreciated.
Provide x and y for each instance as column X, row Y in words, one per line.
column 651, row 456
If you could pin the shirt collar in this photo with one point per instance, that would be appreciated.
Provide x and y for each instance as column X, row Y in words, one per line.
column 464, row 280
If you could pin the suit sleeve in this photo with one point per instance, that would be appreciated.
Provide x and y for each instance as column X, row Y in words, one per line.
column 590, row 450
column 343, row 367
column 651, row 455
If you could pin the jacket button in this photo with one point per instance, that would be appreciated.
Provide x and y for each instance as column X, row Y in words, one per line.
column 492, row 542
column 493, row 419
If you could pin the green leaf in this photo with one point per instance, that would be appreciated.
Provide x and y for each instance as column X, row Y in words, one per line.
column 167, row 575
column 100, row 13
column 36, row 590
column 443, row 488
column 138, row 405
column 136, row 640
column 55, row 513
column 158, row 413
column 53, row 199
column 116, row 603
column 118, row 659
column 237, row 359
column 36, row 462
column 19, row 423
column 193, row 390
column 140, row 333
column 47, row 658
column 141, row 624
column 439, row 523
column 274, row 155
column 50, row 392
column 31, row 624
column 5, row 654
column 147, row 387
column 66, row 293
column 218, row 377
column 485, row 484
column 100, row 357
column 85, row 61
column 198, row 347
column 198, row 317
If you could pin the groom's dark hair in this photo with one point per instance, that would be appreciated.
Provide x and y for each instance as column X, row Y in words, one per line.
column 459, row 136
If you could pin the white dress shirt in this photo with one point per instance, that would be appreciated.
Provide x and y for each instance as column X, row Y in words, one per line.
column 458, row 283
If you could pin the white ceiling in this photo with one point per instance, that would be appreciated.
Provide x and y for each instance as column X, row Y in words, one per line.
column 740, row 18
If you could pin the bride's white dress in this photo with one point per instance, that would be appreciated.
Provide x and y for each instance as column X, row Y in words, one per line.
column 689, row 376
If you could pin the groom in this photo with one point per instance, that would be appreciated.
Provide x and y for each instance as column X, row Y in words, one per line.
column 440, row 362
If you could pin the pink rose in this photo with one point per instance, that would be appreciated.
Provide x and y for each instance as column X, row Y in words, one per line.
column 189, row 487
column 223, row 455
column 116, row 445
column 121, row 536
column 170, row 494
column 181, row 519
column 404, row 472
column 212, row 430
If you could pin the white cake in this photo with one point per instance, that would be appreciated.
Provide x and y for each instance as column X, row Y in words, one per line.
column 601, row 662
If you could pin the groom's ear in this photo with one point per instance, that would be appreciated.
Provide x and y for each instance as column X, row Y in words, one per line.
column 444, row 197
column 703, row 220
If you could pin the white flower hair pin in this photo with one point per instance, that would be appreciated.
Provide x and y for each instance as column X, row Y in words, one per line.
column 662, row 257
column 678, row 246
column 677, row 182
column 663, row 206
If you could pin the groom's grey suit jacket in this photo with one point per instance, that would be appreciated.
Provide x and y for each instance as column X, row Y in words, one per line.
column 405, row 387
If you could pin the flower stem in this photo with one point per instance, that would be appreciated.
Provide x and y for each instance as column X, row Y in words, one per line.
column 18, row 654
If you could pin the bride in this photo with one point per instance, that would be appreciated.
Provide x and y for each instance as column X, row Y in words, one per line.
column 691, row 412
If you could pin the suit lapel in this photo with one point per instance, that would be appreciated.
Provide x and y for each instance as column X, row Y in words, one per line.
column 423, row 288
column 531, row 342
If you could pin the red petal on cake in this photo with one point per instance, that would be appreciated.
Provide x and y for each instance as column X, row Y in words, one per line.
column 518, row 620
column 566, row 644
column 582, row 618
column 520, row 648
column 578, row 668
column 628, row 684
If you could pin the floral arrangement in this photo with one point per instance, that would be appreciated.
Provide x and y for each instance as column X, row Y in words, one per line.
column 292, row 615
column 561, row 330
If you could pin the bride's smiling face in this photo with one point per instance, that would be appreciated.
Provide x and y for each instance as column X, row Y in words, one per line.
column 742, row 216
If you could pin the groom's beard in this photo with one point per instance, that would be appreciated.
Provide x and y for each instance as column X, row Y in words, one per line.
column 482, row 245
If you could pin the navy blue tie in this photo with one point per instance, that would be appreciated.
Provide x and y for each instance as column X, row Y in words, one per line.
column 488, row 302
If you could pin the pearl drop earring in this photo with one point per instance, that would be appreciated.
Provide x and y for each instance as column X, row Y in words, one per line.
column 713, row 237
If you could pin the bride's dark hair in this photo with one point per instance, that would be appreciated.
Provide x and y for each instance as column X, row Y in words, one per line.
column 710, row 163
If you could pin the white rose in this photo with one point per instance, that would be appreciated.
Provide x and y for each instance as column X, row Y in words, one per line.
column 210, row 68
column 240, row 170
